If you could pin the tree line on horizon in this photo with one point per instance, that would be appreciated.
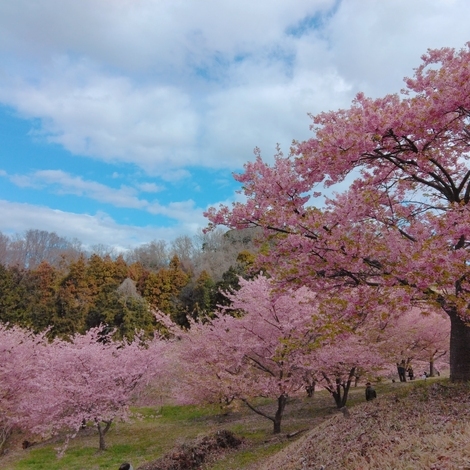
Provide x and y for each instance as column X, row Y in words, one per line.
column 50, row 283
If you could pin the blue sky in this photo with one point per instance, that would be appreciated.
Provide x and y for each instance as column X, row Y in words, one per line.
column 121, row 121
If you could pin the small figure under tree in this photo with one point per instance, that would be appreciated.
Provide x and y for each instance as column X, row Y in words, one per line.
column 371, row 394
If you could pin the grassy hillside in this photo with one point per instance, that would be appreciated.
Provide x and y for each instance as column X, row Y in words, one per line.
column 424, row 427
column 419, row 425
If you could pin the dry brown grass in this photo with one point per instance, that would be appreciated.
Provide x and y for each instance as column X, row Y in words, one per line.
column 427, row 427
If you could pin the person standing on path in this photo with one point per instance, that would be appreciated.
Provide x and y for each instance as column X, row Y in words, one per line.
column 371, row 394
column 402, row 371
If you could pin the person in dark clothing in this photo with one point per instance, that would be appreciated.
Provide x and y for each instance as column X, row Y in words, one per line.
column 401, row 371
column 371, row 394
column 126, row 466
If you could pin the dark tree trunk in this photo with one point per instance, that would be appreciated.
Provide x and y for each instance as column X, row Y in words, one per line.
column 431, row 367
column 281, row 405
column 340, row 390
column 277, row 418
column 5, row 433
column 102, row 432
column 310, row 389
column 459, row 348
column 346, row 387
column 336, row 392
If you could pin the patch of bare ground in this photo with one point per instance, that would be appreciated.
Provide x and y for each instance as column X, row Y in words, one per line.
column 192, row 457
column 427, row 427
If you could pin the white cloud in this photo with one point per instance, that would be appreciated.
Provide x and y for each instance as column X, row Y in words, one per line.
column 64, row 183
column 263, row 114
column 91, row 230
column 146, row 34
column 107, row 117
column 127, row 81
column 375, row 44
column 61, row 182
column 172, row 84
column 150, row 187
column 185, row 212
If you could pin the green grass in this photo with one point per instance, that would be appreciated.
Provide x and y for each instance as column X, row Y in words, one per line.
column 243, row 458
column 188, row 413
column 161, row 428
column 74, row 459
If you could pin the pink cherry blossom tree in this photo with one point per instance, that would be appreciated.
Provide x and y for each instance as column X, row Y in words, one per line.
column 415, row 337
column 346, row 352
column 402, row 227
column 275, row 340
column 251, row 354
column 89, row 379
column 20, row 352
column 339, row 363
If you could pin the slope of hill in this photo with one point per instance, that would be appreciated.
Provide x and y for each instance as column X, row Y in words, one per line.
column 427, row 427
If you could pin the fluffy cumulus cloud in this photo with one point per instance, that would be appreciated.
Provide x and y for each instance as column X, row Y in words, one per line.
column 375, row 44
column 146, row 82
column 95, row 114
column 168, row 86
column 180, row 83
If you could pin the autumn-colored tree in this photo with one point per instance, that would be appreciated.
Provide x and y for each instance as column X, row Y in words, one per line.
column 161, row 288
column 42, row 306
column 105, row 274
column 135, row 271
column 84, row 294
column 402, row 228
column 74, row 300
